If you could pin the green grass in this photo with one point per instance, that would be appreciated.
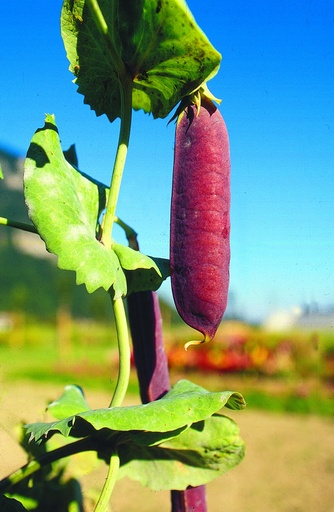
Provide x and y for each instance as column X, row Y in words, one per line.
column 90, row 359
column 94, row 367
column 310, row 404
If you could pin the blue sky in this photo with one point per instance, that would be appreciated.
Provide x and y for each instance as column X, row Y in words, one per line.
column 277, row 85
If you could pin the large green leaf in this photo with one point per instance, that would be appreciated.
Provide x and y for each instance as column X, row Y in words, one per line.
column 203, row 452
column 73, row 401
column 65, row 206
column 165, row 52
column 184, row 404
column 172, row 443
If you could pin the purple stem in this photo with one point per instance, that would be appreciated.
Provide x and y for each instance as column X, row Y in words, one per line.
column 152, row 369
column 148, row 348
column 192, row 499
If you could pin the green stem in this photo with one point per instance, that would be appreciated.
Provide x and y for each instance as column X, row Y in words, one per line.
column 19, row 225
column 122, row 149
column 19, row 475
column 86, row 444
column 124, row 353
column 125, row 86
column 108, row 487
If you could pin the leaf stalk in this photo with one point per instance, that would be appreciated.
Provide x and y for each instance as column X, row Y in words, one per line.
column 124, row 353
column 86, row 444
column 102, row 504
column 18, row 225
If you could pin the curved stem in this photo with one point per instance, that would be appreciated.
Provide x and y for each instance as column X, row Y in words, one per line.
column 122, row 149
column 86, row 444
column 124, row 353
column 19, row 225
column 108, row 487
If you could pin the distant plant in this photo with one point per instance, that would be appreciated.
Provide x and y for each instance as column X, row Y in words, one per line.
column 148, row 55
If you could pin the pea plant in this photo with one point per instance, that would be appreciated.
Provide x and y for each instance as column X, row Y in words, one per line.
column 125, row 55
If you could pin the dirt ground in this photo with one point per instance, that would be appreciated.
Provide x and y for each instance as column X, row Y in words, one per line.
column 289, row 463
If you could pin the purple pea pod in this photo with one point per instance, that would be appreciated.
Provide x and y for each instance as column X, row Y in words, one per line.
column 200, row 218
column 148, row 347
column 152, row 369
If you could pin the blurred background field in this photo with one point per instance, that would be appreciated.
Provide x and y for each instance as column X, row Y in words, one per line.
column 291, row 371
column 287, row 378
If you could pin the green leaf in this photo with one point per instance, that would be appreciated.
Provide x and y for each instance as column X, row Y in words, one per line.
column 205, row 451
column 70, row 403
column 142, row 272
column 184, row 404
column 162, row 48
column 65, row 206
column 142, row 438
column 1, row 173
